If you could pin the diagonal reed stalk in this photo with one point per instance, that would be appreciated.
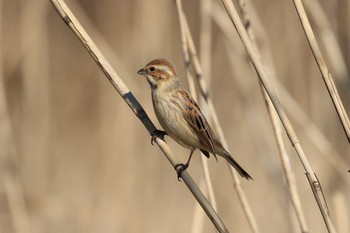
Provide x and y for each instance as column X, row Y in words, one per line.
column 326, row 74
column 263, row 77
column 68, row 17
column 205, row 94
column 278, row 131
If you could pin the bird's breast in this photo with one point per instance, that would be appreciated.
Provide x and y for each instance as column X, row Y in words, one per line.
column 170, row 116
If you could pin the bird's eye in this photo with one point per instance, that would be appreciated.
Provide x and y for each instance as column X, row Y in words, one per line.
column 152, row 68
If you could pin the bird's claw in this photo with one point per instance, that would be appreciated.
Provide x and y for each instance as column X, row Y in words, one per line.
column 157, row 134
column 179, row 171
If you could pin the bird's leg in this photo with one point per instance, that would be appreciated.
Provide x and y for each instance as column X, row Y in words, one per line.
column 157, row 134
column 182, row 166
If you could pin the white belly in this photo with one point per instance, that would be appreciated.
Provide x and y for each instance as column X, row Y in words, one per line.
column 170, row 118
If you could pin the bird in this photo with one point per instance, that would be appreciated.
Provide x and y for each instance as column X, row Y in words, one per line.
column 179, row 115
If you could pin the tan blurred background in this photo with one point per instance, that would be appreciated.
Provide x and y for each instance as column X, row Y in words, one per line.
column 76, row 159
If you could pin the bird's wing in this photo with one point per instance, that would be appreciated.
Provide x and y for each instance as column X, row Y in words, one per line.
column 196, row 120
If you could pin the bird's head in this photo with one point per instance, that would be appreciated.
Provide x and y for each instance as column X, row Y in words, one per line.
column 160, row 73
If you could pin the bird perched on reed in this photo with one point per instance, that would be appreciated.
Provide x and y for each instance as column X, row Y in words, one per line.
column 180, row 116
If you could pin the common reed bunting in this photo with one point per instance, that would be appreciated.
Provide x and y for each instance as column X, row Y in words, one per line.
column 180, row 116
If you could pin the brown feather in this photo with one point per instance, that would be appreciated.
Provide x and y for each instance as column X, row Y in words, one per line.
column 198, row 123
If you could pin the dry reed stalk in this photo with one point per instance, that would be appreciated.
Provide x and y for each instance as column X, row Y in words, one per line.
column 328, row 39
column 291, row 105
column 315, row 135
column 287, row 168
column 205, row 94
column 68, row 17
column 326, row 74
column 185, row 50
column 284, row 157
column 311, row 176
column 278, row 131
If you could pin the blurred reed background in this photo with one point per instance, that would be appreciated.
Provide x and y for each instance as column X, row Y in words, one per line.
column 75, row 159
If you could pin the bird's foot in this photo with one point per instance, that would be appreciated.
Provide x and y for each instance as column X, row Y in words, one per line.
column 182, row 168
column 157, row 134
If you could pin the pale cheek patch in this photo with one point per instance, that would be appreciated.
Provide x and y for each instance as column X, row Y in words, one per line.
column 151, row 81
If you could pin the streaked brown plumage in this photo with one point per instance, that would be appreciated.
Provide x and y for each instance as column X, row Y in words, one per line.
column 179, row 114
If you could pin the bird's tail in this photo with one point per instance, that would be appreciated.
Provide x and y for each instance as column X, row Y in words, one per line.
column 238, row 168
column 220, row 150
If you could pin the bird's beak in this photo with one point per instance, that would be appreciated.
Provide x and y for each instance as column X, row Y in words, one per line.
column 141, row 72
